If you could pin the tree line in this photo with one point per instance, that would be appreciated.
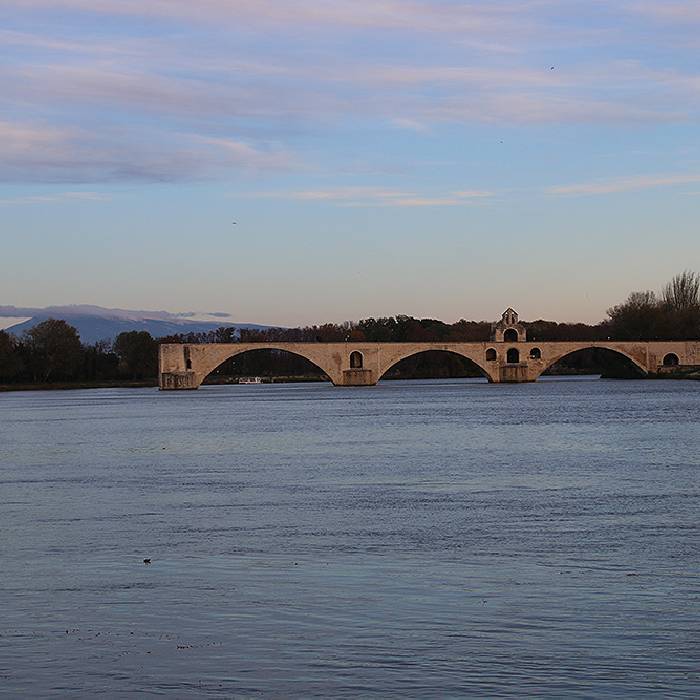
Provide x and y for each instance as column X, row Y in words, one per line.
column 51, row 351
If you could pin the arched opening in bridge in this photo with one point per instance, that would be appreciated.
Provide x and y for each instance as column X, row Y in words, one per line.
column 491, row 355
column 436, row 364
column 595, row 361
column 535, row 354
column 510, row 335
column 357, row 361
column 270, row 364
column 671, row 360
column 188, row 363
column 513, row 356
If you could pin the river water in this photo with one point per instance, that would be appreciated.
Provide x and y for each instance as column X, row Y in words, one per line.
column 415, row 539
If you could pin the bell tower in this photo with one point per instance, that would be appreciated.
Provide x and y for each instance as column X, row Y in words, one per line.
column 508, row 329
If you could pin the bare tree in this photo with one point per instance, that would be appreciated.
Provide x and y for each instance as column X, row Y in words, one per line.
column 682, row 293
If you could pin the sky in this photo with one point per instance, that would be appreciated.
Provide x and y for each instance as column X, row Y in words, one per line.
column 303, row 161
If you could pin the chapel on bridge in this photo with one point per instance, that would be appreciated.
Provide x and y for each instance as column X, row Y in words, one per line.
column 508, row 329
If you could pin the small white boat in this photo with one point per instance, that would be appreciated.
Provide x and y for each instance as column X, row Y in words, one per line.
column 250, row 380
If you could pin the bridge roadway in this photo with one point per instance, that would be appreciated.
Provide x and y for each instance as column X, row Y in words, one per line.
column 185, row 366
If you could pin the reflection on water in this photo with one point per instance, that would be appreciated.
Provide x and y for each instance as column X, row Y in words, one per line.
column 423, row 539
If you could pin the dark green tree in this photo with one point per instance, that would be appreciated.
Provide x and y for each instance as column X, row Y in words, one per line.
column 138, row 354
column 54, row 351
column 637, row 318
column 10, row 359
column 99, row 362
column 224, row 334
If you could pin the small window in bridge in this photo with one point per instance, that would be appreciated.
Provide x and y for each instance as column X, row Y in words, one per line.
column 535, row 354
column 513, row 356
column 511, row 336
column 671, row 360
column 188, row 363
column 491, row 355
column 356, row 360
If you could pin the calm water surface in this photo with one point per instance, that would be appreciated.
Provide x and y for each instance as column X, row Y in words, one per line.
column 416, row 539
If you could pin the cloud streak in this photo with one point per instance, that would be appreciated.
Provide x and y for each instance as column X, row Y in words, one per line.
column 416, row 15
column 225, row 86
column 55, row 198
column 402, row 94
column 380, row 197
column 677, row 12
column 40, row 153
column 624, row 184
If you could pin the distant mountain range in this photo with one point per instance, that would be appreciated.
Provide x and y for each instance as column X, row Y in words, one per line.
column 97, row 323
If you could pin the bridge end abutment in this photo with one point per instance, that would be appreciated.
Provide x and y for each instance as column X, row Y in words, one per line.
column 178, row 381
column 176, row 372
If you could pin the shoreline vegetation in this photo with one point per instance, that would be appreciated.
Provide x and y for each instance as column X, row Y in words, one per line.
column 50, row 355
column 68, row 386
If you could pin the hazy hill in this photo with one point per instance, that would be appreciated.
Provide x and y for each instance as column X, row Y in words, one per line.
column 96, row 323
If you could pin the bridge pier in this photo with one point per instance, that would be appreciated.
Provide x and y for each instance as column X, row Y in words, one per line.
column 515, row 374
column 358, row 377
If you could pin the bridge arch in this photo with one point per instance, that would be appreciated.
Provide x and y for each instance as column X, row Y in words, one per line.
column 209, row 362
column 394, row 360
column 551, row 360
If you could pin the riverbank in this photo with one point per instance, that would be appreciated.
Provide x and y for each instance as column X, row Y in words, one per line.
column 67, row 386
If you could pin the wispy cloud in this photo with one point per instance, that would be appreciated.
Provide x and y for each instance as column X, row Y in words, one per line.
column 668, row 10
column 402, row 95
column 420, row 202
column 223, row 86
column 40, row 153
column 624, row 184
column 380, row 197
column 230, row 152
column 57, row 197
column 473, row 194
column 418, row 15
column 47, row 43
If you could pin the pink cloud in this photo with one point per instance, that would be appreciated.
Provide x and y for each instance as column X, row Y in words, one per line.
column 38, row 153
column 624, row 184
column 670, row 11
column 379, row 197
column 381, row 14
column 57, row 197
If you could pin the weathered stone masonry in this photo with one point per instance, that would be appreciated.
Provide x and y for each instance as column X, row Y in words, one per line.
column 508, row 358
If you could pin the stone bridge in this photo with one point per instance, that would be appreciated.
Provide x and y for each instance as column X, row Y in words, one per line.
column 508, row 357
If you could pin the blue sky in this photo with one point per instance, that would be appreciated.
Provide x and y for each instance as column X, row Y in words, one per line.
column 434, row 158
